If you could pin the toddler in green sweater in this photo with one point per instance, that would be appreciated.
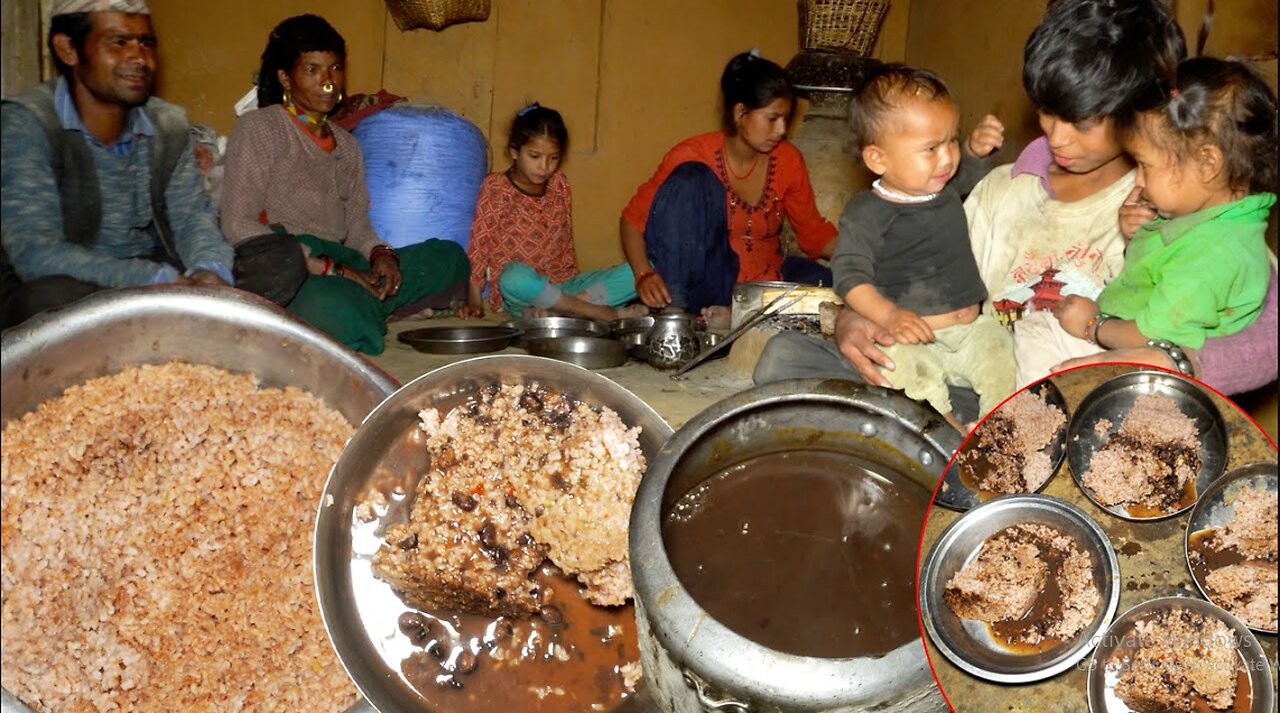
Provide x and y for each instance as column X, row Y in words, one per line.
column 1197, row 265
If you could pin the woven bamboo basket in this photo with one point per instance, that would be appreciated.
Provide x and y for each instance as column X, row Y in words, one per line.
column 436, row 14
column 841, row 25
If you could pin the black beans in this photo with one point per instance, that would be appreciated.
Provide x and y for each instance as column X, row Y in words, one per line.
column 531, row 400
column 512, row 501
column 466, row 662
column 410, row 542
column 499, row 593
column 411, row 620
column 499, row 555
column 489, row 535
column 503, row 629
column 436, row 649
column 463, row 502
column 551, row 615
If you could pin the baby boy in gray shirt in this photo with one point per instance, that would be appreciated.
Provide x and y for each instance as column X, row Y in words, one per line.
column 903, row 258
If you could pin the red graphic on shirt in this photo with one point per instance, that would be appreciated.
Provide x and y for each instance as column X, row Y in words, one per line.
column 1045, row 295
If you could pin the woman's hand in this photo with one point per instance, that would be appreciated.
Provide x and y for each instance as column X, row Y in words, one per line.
column 908, row 327
column 359, row 278
column 859, row 340
column 987, row 137
column 1134, row 213
column 384, row 274
column 1075, row 313
column 652, row 290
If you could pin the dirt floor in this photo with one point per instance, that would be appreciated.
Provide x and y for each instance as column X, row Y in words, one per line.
column 679, row 401
column 675, row 401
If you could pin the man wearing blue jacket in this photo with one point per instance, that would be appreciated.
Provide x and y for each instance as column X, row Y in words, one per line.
column 100, row 185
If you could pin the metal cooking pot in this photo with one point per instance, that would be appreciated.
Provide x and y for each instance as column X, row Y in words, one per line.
column 387, row 452
column 693, row 662
column 229, row 329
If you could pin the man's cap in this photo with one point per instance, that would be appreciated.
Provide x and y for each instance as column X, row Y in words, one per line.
column 68, row 7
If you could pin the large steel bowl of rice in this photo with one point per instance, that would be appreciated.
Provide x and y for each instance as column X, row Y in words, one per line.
column 230, row 329
column 164, row 451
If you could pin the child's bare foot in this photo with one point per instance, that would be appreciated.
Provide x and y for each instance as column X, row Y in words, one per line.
column 718, row 317
column 963, row 428
column 638, row 309
column 537, row 312
column 424, row 313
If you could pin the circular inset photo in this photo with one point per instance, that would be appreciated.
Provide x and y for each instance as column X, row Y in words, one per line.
column 1019, row 593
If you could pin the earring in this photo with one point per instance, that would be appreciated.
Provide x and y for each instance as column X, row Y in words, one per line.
column 288, row 100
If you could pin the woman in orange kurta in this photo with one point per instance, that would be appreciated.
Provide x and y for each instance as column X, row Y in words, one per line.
column 712, row 213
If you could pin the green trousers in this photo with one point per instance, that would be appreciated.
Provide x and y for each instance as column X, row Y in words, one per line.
column 434, row 271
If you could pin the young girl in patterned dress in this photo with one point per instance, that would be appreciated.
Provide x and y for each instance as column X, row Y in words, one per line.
column 521, row 245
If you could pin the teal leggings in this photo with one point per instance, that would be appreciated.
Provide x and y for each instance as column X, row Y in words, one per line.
column 522, row 286
column 434, row 272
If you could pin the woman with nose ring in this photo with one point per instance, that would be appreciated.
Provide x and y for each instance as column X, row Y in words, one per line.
column 712, row 213
column 296, row 206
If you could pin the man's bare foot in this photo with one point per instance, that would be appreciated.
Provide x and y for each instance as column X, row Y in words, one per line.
column 718, row 317
column 638, row 309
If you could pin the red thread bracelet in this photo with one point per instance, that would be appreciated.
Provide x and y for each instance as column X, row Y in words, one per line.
column 644, row 276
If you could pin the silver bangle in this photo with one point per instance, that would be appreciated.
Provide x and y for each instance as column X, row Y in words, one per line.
column 1175, row 353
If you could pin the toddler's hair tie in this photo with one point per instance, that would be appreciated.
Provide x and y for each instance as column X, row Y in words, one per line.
column 1173, row 93
column 528, row 109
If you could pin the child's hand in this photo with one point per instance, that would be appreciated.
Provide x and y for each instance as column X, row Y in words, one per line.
column 908, row 328
column 1134, row 213
column 470, row 309
column 987, row 137
column 1075, row 313
column 652, row 290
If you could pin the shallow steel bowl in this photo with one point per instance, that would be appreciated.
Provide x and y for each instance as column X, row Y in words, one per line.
column 229, row 329
column 968, row 643
column 586, row 352
column 386, row 452
column 1114, row 398
column 1215, row 508
column 460, row 340
column 554, row 327
column 1102, row 678
column 955, row 493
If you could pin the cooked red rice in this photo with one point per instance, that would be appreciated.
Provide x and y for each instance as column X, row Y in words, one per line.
column 1011, row 572
column 1248, row 589
column 1014, row 441
column 519, row 475
column 157, row 546
column 1149, row 460
column 1180, row 653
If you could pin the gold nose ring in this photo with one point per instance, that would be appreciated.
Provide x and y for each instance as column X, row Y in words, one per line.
column 327, row 87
